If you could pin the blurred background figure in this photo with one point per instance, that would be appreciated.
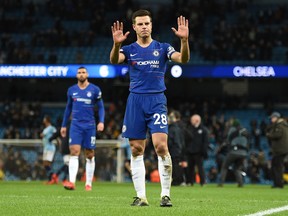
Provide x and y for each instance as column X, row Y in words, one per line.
column 63, row 143
column 196, row 149
column 127, row 151
column 176, row 145
column 49, row 148
column 277, row 133
column 2, row 174
column 237, row 141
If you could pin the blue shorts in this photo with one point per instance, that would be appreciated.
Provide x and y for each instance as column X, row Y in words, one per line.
column 81, row 135
column 145, row 111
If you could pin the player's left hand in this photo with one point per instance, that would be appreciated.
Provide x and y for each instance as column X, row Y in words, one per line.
column 100, row 126
column 117, row 32
column 183, row 29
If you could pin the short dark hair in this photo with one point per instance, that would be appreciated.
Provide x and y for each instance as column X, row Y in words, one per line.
column 177, row 114
column 140, row 13
column 48, row 118
column 82, row 67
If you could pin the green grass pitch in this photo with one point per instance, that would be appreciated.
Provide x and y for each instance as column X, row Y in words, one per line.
column 36, row 198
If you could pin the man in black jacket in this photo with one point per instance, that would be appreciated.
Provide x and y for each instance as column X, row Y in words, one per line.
column 238, row 145
column 176, row 145
column 196, row 149
column 277, row 133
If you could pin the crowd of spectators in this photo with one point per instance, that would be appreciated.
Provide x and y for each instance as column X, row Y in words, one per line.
column 23, row 120
column 238, row 30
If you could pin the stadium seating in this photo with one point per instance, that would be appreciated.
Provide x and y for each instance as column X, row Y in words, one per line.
column 45, row 18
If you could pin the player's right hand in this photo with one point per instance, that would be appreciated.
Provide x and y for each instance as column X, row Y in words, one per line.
column 63, row 131
column 117, row 32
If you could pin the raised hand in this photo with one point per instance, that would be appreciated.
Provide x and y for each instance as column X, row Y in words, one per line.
column 183, row 30
column 117, row 32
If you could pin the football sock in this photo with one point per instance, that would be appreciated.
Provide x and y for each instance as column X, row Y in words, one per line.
column 138, row 175
column 73, row 168
column 165, row 172
column 90, row 167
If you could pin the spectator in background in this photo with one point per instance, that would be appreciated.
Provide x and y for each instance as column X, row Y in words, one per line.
column 237, row 140
column 65, row 152
column 212, row 174
column 255, row 133
column 176, row 145
column 253, row 168
column 49, row 148
column 277, row 133
column 127, row 151
column 196, row 149
column 2, row 174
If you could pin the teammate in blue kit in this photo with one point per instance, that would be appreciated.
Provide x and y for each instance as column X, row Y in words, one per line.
column 82, row 99
column 146, row 105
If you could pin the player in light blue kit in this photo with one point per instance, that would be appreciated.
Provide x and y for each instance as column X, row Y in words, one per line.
column 146, row 105
column 49, row 148
column 82, row 99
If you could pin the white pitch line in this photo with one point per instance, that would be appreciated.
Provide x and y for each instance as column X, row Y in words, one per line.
column 270, row 211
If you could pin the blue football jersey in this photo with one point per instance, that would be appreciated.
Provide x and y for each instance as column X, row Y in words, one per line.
column 47, row 133
column 81, row 102
column 147, row 66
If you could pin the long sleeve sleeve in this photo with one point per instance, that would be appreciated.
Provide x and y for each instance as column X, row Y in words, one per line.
column 101, row 110
column 67, row 112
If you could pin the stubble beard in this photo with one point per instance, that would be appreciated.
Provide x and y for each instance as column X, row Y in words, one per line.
column 82, row 80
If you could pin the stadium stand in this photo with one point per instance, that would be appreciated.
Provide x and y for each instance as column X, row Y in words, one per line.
column 35, row 30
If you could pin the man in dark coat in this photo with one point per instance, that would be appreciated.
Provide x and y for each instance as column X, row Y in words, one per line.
column 196, row 149
column 277, row 133
column 176, row 145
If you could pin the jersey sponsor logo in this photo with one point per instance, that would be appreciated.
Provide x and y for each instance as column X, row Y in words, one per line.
column 134, row 54
column 149, row 62
column 75, row 93
column 85, row 100
column 133, row 63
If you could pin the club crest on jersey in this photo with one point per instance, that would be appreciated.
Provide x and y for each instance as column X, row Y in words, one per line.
column 89, row 94
column 155, row 53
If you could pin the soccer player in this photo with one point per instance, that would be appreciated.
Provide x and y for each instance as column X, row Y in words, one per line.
column 82, row 99
column 64, row 150
column 49, row 148
column 146, row 105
